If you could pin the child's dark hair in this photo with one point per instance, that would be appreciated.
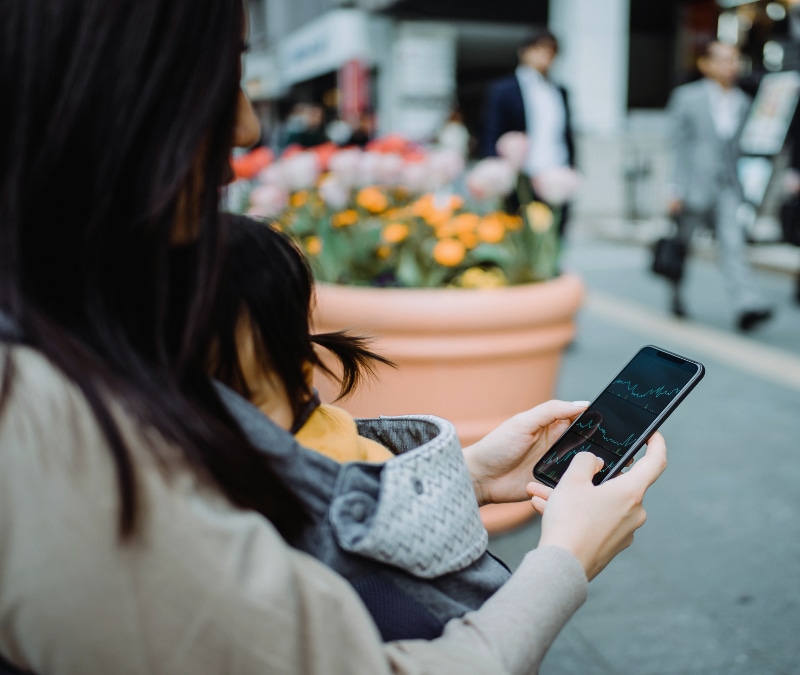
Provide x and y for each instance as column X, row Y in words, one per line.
column 268, row 283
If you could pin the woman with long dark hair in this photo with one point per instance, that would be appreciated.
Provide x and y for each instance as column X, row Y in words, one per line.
column 140, row 526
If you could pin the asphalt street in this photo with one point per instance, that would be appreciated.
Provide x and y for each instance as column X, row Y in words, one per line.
column 711, row 584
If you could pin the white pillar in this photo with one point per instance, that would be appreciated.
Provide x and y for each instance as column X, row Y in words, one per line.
column 418, row 80
column 593, row 60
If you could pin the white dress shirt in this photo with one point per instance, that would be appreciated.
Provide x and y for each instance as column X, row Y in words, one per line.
column 545, row 119
column 727, row 106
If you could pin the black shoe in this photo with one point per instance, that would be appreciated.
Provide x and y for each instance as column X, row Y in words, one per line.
column 751, row 318
column 677, row 307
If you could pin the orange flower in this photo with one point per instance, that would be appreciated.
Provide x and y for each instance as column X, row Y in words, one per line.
column 468, row 238
column 383, row 252
column 436, row 218
column 247, row 166
column 298, row 199
column 345, row 218
column 465, row 222
column 510, row 222
column 394, row 233
column 491, row 230
column 449, row 252
column 372, row 199
column 461, row 226
column 393, row 214
column 436, row 211
column 312, row 245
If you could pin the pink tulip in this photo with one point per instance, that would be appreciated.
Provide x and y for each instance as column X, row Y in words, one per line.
column 300, row 171
column 389, row 169
column 513, row 146
column 416, row 177
column 268, row 201
column 556, row 186
column 334, row 192
column 490, row 178
column 345, row 164
column 272, row 175
column 368, row 168
column 446, row 165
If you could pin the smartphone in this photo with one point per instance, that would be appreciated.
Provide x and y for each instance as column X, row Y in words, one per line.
column 617, row 424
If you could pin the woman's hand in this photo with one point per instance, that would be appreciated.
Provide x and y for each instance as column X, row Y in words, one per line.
column 596, row 522
column 502, row 461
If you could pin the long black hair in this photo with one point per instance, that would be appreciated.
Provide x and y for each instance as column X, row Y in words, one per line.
column 269, row 284
column 115, row 134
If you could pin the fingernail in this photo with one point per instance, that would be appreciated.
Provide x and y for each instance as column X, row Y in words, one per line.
column 580, row 404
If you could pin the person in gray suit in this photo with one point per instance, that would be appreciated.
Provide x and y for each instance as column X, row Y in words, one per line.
column 707, row 118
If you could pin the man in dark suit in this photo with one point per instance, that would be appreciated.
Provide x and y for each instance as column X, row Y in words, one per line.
column 528, row 101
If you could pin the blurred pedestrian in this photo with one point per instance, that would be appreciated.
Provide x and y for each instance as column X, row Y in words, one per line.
column 454, row 134
column 308, row 126
column 363, row 131
column 529, row 101
column 338, row 131
column 707, row 118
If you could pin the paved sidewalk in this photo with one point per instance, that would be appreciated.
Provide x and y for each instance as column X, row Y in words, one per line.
column 711, row 585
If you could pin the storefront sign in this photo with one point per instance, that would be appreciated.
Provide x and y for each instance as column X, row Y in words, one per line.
column 324, row 45
column 771, row 114
column 354, row 90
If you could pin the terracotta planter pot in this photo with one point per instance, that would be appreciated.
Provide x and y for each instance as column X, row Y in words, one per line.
column 474, row 357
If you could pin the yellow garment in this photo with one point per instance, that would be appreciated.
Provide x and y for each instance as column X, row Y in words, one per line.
column 332, row 432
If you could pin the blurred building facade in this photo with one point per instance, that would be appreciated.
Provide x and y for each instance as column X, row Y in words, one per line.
column 410, row 62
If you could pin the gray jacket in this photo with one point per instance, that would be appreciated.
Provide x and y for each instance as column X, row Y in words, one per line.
column 704, row 163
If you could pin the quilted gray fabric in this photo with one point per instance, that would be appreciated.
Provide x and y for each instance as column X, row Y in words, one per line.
column 425, row 519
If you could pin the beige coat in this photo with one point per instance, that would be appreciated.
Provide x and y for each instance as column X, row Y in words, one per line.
column 206, row 587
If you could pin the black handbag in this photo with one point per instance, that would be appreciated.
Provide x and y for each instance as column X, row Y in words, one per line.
column 669, row 256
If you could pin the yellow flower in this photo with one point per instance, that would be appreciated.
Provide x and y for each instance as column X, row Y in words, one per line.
column 540, row 217
column 298, row 199
column 394, row 233
column 372, row 199
column 345, row 218
column 312, row 245
column 491, row 230
column 477, row 277
column 449, row 252
column 383, row 252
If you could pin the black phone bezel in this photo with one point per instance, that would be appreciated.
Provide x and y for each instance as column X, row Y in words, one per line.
column 653, row 426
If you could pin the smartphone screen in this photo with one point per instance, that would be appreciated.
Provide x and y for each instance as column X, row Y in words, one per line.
column 619, row 421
